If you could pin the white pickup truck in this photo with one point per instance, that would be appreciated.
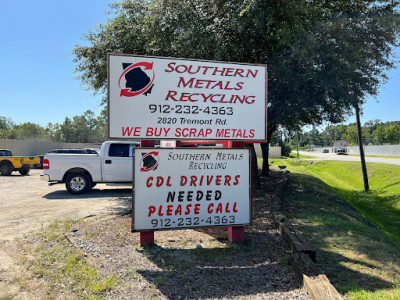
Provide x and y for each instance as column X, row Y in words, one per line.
column 81, row 172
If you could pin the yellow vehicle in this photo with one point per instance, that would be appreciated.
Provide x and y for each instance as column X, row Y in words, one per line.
column 10, row 163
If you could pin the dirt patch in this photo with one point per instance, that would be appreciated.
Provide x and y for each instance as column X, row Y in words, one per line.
column 186, row 264
column 28, row 204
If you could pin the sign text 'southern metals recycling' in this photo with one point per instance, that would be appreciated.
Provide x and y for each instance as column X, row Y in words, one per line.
column 188, row 187
column 164, row 98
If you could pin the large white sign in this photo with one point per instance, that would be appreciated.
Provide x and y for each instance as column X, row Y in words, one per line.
column 185, row 188
column 164, row 98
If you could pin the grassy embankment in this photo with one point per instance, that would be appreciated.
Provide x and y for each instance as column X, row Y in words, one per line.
column 358, row 245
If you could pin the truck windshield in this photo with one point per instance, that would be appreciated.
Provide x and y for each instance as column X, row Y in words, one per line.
column 5, row 153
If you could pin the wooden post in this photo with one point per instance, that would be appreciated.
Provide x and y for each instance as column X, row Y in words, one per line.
column 235, row 233
column 147, row 237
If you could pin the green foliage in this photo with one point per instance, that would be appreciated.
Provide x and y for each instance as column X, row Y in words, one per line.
column 86, row 128
column 323, row 57
column 374, row 133
column 286, row 150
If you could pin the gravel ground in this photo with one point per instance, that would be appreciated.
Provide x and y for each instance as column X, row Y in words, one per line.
column 193, row 264
column 184, row 264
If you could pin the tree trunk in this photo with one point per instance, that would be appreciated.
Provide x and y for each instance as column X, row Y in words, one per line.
column 255, row 178
column 265, row 154
column 265, row 150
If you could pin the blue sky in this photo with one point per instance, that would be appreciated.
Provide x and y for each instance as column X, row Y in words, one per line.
column 37, row 80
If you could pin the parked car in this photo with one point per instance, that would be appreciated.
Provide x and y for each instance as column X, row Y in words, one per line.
column 340, row 150
column 21, row 164
column 81, row 172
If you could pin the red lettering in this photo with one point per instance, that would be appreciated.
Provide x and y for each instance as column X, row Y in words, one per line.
column 234, row 208
column 169, row 210
column 193, row 180
column 171, row 94
column 184, row 97
column 152, row 210
column 159, row 181
column 185, row 84
column 183, row 180
column 248, row 101
column 183, row 69
column 236, row 180
column 188, row 209
column 227, row 180
column 149, row 181
column 192, row 99
column 239, row 73
column 210, row 208
column 216, row 70
column 252, row 133
column 192, row 131
column 160, row 211
column 205, row 98
column 149, row 131
column 254, row 74
column 170, row 65
column 239, row 86
column 229, row 71
column 218, row 180
column 197, row 209
column 227, row 208
column 178, row 210
column 131, row 131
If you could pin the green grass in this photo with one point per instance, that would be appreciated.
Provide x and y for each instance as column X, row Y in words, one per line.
column 62, row 265
column 356, row 234
column 381, row 205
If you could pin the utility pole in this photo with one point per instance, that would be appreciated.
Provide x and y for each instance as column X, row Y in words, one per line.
column 360, row 145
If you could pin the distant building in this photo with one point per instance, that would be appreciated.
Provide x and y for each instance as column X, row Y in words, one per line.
column 340, row 146
column 341, row 143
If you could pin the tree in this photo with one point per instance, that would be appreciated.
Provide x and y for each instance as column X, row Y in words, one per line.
column 85, row 128
column 323, row 57
column 6, row 124
column 392, row 134
column 27, row 130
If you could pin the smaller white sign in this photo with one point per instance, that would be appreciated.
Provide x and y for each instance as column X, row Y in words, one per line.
column 186, row 188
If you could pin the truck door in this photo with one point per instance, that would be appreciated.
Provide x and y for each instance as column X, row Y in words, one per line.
column 117, row 167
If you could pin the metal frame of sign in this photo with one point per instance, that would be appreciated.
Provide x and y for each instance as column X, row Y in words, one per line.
column 175, row 226
column 203, row 138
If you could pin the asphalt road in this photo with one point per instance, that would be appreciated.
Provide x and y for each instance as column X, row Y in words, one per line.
column 333, row 156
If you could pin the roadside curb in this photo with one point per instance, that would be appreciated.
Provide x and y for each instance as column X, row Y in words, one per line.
column 303, row 255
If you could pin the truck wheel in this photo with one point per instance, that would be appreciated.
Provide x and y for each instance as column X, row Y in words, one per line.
column 25, row 170
column 6, row 169
column 78, row 183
